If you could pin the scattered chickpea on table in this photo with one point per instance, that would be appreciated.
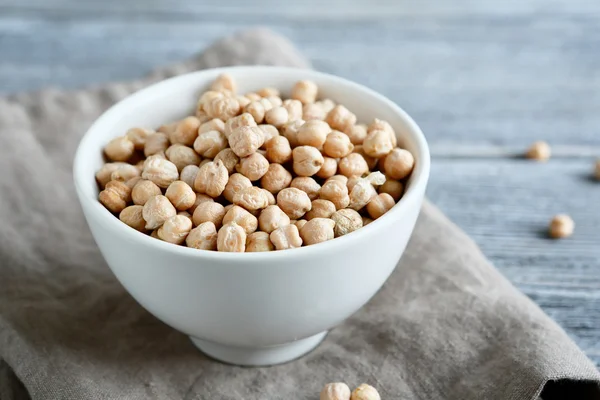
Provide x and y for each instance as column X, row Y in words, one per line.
column 256, row 172
column 341, row 391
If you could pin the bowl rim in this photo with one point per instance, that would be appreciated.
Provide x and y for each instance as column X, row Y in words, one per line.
column 419, row 177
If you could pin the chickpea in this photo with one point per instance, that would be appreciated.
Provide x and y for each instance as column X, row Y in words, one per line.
column 362, row 193
column 155, row 143
column 371, row 161
column 157, row 210
column 286, row 237
column 307, row 160
column 377, row 144
column 312, row 111
column 290, row 131
column 119, row 149
column 211, row 179
column 276, row 178
column 313, row 133
column 200, row 198
column 222, row 107
column 254, row 167
column 188, row 174
column 224, row 82
column 317, row 230
column 380, row 204
column 182, row 156
column 353, row 164
column 241, row 217
column 270, row 197
column 258, row 241
column 124, row 173
column 299, row 223
column 144, row 190
column 237, row 182
column 340, row 117
column 234, row 123
column 209, row 96
column 203, row 237
column 115, row 196
column 346, row 221
column 175, row 229
column 243, row 100
column 253, row 96
column 138, row 137
column 268, row 92
column 380, row 125
column 228, row 158
column 294, row 202
column 231, row 238
column 132, row 216
column 252, row 198
column 341, row 178
column 245, row 140
column 272, row 218
column 103, row 176
column 398, row 164
column 356, row 133
column 305, row 91
column 561, row 226
column 133, row 181
column 539, row 151
column 393, row 188
column 294, row 109
column 209, row 211
column 320, row 209
column 269, row 132
column 209, row 144
column 181, row 195
column 365, row 392
column 279, row 150
column 376, row 178
column 256, row 110
column 167, row 128
column 328, row 169
column 161, row 172
column 353, row 180
column 326, row 104
column 307, row 185
column 335, row 391
column 277, row 116
column 337, row 145
column 336, row 192
column 186, row 131
column 267, row 105
column 214, row 124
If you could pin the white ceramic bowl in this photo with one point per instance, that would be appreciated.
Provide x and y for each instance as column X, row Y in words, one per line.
column 250, row 308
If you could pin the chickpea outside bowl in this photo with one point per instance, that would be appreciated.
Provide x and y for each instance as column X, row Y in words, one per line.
column 257, row 308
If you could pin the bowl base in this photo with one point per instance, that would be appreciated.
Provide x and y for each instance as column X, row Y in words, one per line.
column 259, row 356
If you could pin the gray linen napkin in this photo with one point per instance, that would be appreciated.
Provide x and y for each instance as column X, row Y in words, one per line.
column 446, row 325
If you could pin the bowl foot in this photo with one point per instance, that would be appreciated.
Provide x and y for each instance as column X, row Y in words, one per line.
column 259, row 356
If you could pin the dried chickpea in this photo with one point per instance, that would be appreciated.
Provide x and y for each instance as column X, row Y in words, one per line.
column 186, row 131
column 539, row 151
column 313, row 133
column 253, row 167
column 133, row 181
column 305, row 91
column 299, row 223
column 269, row 132
column 211, row 179
column 272, row 218
column 209, row 96
column 253, row 96
column 209, row 144
column 267, row 105
column 181, row 195
column 182, row 156
column 237, row 182
column 327, row 104
column 279, row 150
column 336, row 192
column 214, row 124
column 328, row 169
column 224, row 82
column 115, row 196
column 124, row 173
column 294, row 109
column 243, row 100
column 203, row 237
column 162, row 172
column 175, row 229
column 320, row 209
column 398, row 164
column 346, row 221
column 561, row 226
column 144, row 190
column 138, row 137
column 231, row 238
column 241, row 217
column 200, row 198
column 371, row 161
column 119, row 149
column 294, row 202
column 307, row 160
column 340, row 117
column 157, row 210
column 202, row 117
column 275, row 101
column 393, row 188
column 317, row 230
column 222, row 107
column 252, row 198
column 209, row 211
column 286, row 237
column 228, row 158
column 258, row 241
column 312, row 111
column 271, row 199
column 353, row 180
column 188, row 174
column 276, row 178
column 103, row 176
column 277, row 116
column 353, row 164
column 377, row 144
column 167, row 128
column 362, row 193
column 341, row 178
column 365, row 392
column 308, row 185
column 376, row 178
column 337, row 145
column 356, row 133
column 381, row 125
column 234, row 123
column 335, row 391
column 256, row 110
column 380, row 204
column 155, row 143
column 268, row 92
column 245, row 140
column 132, row 216
column 290, row 131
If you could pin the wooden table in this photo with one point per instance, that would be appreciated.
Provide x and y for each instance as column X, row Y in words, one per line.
column 484, row 79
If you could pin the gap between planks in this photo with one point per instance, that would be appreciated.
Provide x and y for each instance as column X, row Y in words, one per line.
column 439, row 150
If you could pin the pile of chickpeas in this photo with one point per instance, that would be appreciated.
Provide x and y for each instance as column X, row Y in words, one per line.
column 254, row 172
